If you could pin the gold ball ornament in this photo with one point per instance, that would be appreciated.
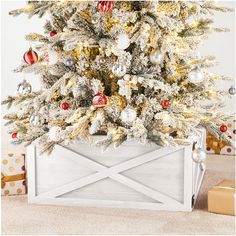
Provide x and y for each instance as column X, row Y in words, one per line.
column 117, row 101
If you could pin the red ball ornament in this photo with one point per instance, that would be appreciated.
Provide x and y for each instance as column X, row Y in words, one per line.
column 14, row 135
column 165, row 104
column 65, row 105
column 30, row 57
column 100, row 100
column 223, row 128
column 105, row 6
column 52, row 33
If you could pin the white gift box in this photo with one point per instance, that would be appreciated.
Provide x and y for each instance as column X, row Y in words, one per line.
column 130, row 176
column 13, row 174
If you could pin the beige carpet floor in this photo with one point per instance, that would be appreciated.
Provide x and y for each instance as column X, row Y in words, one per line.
column 20, row 218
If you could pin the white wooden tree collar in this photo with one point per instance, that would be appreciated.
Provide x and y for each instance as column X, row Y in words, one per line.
column 114, row 173
column 143, row 173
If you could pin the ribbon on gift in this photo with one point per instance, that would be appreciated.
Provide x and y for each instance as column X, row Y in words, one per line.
column 10, row 178
column 226, row 187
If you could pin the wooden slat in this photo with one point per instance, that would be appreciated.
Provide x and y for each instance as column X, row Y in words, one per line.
column 145, row 190
column 31, row 169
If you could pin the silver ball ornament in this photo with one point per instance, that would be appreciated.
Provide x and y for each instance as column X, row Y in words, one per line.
column 199, row 155
column 54, row 133
column 196, row 76
column 119, row 70
column 36, row 119
column 128, row 115
column 102, row 60
column 24, row 88
column 156, row 57
column 69, row 62
column 232, row 90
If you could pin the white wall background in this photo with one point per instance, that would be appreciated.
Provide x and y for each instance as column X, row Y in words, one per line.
column 13, row 43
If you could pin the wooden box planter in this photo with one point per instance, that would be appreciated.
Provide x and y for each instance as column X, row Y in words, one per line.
column 131, row 176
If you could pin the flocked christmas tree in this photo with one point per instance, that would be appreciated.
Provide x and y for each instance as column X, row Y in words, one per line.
column 128, row 69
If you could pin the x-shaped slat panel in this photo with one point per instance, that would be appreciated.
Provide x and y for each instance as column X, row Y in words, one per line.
column 114, row 173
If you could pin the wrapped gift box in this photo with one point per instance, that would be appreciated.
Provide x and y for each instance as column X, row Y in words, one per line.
column 215, row 146
column 13, row 174
column 221, row 198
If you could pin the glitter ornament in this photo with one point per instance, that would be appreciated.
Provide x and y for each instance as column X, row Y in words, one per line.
column 156, row 57
column 24, row 88
column 199, row 155
column 14, row 135
column 35, row 120
column 99, row 100
column 128, row 115
column 65, row 106
column 196, row 76
column 122, row 41
column 30, row 57
column 165, row 104
column 223, row 128
column 69, row 62
column 232, row 90
column 53, row 33
column 51, row 57
column 105, row 6
column 117, row 101
column 54, row 133
column 119, row 70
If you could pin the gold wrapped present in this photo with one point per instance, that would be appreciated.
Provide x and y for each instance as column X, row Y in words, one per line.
column 13, row 174
column 220, row 147
column 221, row 198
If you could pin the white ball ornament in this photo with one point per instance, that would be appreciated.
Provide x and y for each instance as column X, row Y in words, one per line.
column 156, row 57
column 196, row 76
column 128, row 115
column 122, row 41
column 119, row 70
column 51, row 57
column 199, row 155
column 55, row 133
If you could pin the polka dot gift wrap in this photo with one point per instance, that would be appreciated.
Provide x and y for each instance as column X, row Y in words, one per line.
column 215, row 146
column 13, row 174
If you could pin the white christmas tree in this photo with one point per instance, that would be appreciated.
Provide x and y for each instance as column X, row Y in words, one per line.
column 127, row 69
